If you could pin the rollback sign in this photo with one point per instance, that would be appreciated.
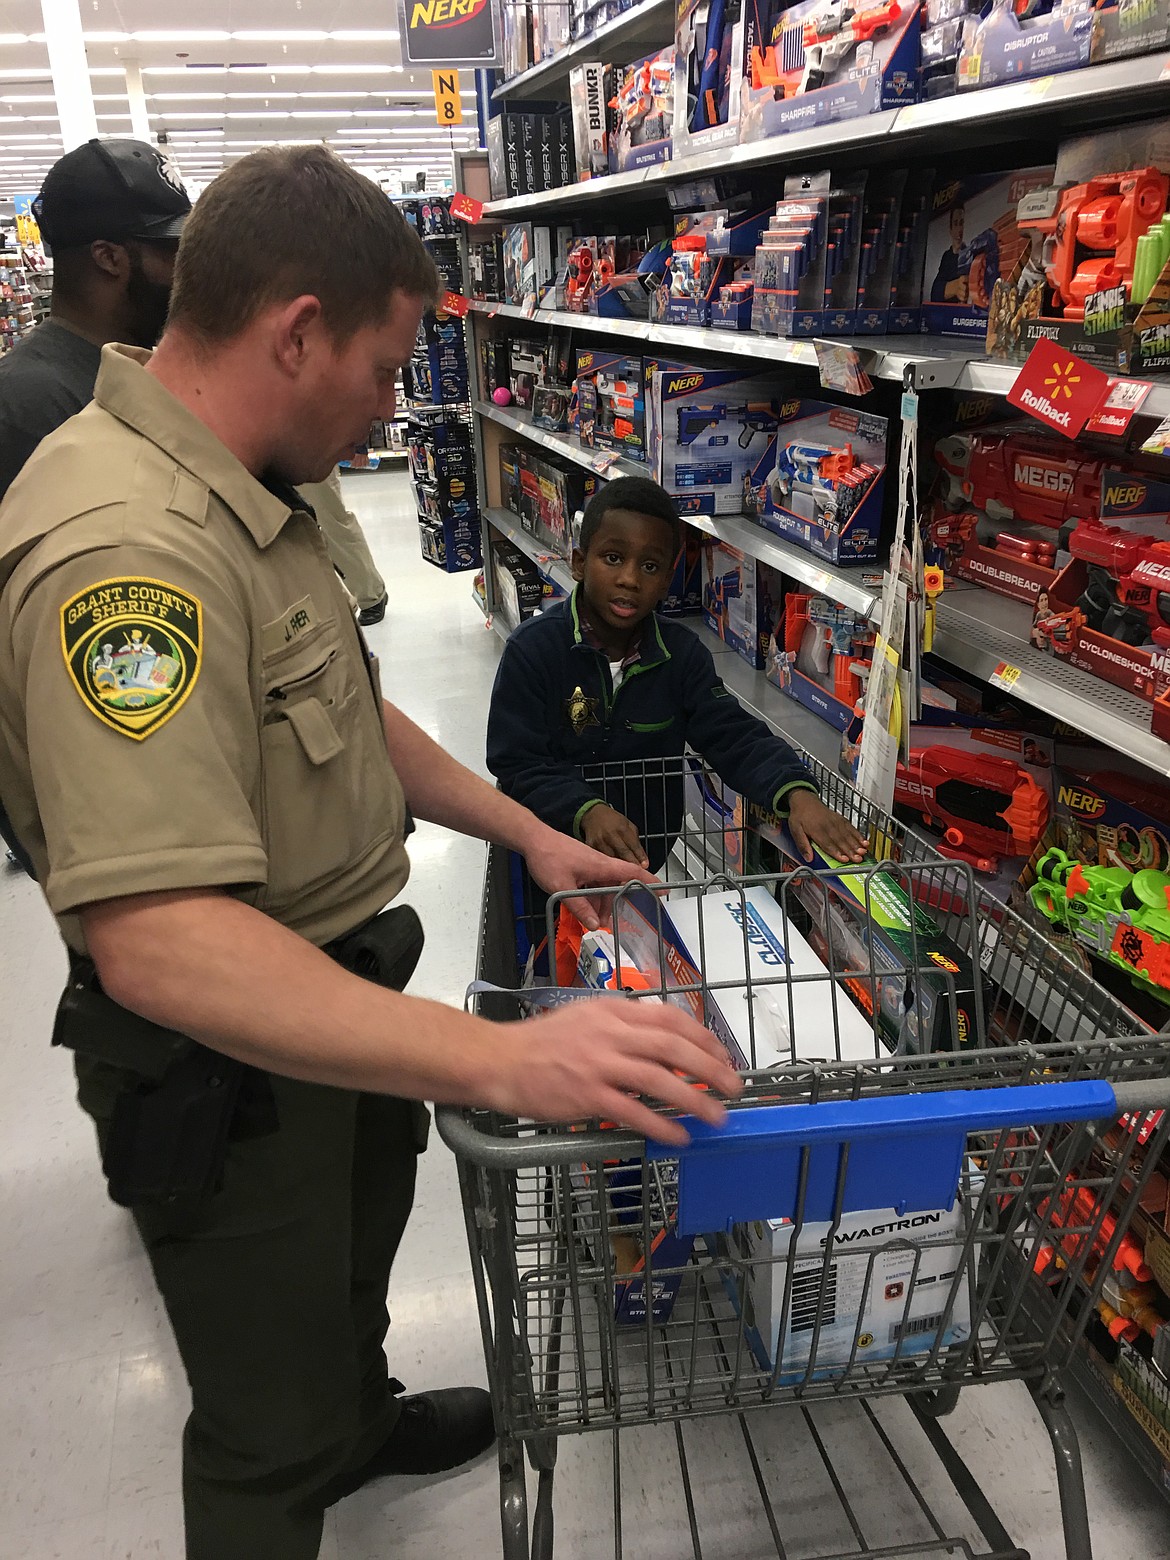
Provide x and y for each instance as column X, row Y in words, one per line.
column 450, row 32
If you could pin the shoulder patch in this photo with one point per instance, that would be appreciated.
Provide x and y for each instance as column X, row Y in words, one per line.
column 132, row 648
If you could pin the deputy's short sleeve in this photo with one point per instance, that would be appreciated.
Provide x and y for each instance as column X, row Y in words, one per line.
column 133, row 668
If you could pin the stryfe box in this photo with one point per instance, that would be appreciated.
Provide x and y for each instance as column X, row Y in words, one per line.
column 706, row 431
column 611, row 402
column 880, row 1283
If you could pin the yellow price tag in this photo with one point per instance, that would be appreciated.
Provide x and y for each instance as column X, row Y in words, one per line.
column 1005, row 676
column 448, row 104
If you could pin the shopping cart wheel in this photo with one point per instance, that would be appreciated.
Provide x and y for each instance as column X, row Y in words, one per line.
column 1070, row 1477
column 542, row 1521
column 937, row 1404
column 513, row 1500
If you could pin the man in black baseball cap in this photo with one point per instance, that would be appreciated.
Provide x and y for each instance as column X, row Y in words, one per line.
column 111, row 213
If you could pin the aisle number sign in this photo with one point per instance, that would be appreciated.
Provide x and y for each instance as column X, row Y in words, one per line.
column 448, row 104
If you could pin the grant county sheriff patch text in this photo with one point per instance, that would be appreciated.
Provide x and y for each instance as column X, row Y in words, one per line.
column 132, row 647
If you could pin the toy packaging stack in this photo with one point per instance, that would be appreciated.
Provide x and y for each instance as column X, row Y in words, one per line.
column 820, row 61
column 641, row 112
column 611, row 402
column 1094, row 277
column 740, row 598
column 819, row 653
column 1006, row 43
column 821, row 480
column 709, row 274
column 528, row 153
column 975, row 237
column 589, row 96
column 808, row 261
column 706, row 430
column 528, row 264
column 547, row 492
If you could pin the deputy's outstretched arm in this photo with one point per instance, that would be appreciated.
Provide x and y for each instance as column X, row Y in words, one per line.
column 214, row 968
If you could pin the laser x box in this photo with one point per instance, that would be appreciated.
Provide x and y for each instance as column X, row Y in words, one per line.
column 821, row 480
column 706, row 432
column 900, row 1304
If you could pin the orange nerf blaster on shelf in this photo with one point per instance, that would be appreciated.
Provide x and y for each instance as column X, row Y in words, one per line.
column 1078, row 1211
column 1090, row 233
column 817, row 46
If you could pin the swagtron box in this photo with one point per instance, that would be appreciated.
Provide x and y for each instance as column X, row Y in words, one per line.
column 897, row 1305
column 820, row 481
column 706, row 431
column 973, row 240
column 814, row 63
column 740, row 599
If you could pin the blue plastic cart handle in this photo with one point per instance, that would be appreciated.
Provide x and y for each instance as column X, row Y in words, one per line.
column 905, row 1151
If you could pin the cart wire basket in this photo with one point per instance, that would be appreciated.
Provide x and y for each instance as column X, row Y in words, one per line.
column 944, row 1130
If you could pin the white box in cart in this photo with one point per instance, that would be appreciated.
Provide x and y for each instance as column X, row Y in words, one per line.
column 821, row 1010
column 900, row 1303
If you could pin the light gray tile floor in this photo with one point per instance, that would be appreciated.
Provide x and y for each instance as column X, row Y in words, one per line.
column 92, row 1396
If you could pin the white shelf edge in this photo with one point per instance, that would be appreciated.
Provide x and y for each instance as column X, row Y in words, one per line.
column 506, row 523
column 1112, row 82
column 527, row 83
column 976, row 632
column 942, row 362
column 598, row 461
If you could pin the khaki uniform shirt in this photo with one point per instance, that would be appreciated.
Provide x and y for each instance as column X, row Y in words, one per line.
column 185, row 699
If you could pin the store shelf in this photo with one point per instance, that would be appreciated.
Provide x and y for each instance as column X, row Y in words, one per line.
column 517, row 420
column 938, row 363
column 636, row 31
column 858, row 588
column 506, row 523
column 978, row 629
column 1074, row 100
column 753, row 690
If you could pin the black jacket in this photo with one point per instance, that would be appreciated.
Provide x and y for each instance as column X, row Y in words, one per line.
column 560, row 740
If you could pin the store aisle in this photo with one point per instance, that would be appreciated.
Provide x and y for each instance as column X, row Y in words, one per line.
column 92, row 1398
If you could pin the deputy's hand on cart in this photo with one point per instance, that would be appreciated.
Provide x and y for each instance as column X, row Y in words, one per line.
column 611, row 832
column 560, row 863
column 603, row 1059
column 810, row 823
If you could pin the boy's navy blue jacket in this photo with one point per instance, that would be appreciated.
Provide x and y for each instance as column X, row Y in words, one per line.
column 555, row 719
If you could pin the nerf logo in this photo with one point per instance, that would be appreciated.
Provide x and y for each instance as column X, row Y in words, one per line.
column 946, row 195
column 789, row 409
column 964, row 1029
column 1043, row 479
column 943, row 962
column 685, row 382
column 444, row 13
column 1087, row 803
column 584, row 360
column 1125, row 495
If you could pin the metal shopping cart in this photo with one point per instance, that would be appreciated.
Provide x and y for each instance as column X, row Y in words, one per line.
column 751, row 1275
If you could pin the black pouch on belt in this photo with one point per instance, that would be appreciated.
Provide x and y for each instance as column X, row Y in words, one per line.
column 386, row 951
column 168, row 1133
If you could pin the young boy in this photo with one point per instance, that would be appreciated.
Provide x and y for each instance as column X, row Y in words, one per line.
column 600, row 679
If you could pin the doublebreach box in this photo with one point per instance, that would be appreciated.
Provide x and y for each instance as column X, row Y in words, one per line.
column 819, row 61
column 883, row 1282
column 974, row 238
column 707, row 430
column 740, row 599
column 820, row 480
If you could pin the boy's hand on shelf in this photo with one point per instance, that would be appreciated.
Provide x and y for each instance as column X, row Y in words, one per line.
column 611, row 832
column 558, row 862
column 811, row 823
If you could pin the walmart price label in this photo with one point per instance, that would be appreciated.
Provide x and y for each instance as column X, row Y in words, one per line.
column 1005, row 676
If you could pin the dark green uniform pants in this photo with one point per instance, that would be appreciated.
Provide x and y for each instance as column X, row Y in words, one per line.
column 276, row 1290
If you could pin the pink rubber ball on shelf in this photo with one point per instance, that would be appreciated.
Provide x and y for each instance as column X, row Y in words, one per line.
column 502, row 396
